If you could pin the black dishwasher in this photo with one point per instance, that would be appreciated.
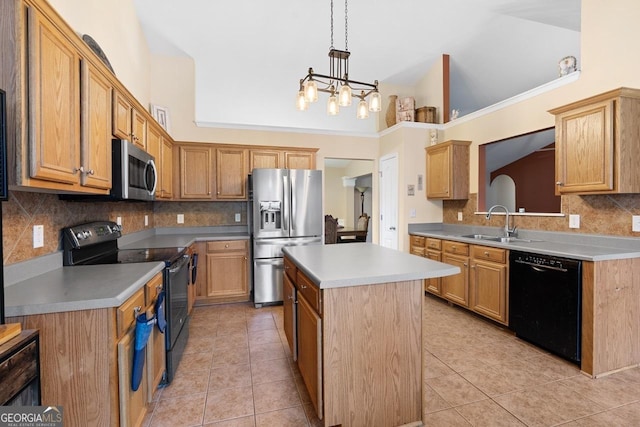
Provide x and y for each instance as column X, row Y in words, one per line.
column 545, row 300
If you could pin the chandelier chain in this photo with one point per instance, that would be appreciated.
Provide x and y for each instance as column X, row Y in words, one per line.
column 331, row 47
column 346, row 39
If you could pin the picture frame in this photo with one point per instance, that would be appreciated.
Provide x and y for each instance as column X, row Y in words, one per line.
column 161, row 114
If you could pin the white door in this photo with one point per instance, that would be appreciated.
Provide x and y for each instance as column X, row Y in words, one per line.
column 389, row 201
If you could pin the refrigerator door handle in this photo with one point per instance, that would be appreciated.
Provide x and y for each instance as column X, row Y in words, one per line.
column 293, row 203
column 286, row 191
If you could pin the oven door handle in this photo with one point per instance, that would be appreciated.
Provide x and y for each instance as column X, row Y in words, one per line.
column 179, row 264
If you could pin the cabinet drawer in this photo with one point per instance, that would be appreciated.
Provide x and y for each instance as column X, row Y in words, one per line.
column 455, row 248
column 227, row 245
column 290, row 269
column 17, row 371
column 125, row 314
column 417, row 241
column 490, row 254
column 153, row 288
column 309, row 290
column 434, row 243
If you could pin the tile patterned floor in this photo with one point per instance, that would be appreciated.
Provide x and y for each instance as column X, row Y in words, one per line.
column 237, row 372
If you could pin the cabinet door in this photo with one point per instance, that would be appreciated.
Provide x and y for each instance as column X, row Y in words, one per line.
column 270, row 159
column 289, row 314
column 166, row 190
column 231, row 173
column 299, row 160
column 310, row 351
column 196, row 174
column 154, row 147
column 438, row 172
column 434, row 285
column 132, row 403
column 139, row 129
column 584, row 149
column 96, row 129
column 121, row 116
column 227, row 273
column 203, row 276
column 488, row 288
column 456, row 288
column 54, row 103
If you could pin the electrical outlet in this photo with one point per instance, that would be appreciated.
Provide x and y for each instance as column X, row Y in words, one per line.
column 119, row 220
column 459, row 216
column 237, row 217
column 412, row 213
column 38, row 236
column 574, row 221
column 146, row 220
column 180, row 219
column 635, row 223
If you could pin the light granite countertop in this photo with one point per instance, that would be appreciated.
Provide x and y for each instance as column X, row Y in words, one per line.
column 44, row 286
column 356, row 264
column 586, row 247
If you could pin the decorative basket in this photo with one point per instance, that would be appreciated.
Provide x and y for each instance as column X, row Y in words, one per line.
column 426, row 114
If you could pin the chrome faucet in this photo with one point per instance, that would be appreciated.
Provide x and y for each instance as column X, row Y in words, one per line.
column 508, row 232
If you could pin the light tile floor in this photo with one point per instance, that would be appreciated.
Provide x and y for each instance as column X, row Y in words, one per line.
column 237, row 371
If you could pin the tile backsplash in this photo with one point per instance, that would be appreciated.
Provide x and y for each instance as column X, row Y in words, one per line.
column 23, row 210
column 599, row 214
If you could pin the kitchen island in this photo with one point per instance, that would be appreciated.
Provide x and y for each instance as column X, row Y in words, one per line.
column 353, row 319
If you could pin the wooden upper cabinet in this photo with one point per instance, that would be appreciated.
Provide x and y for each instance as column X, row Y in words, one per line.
column 231, row 173
column 128, row 122
column 96, row 132
column 596, row 144
column 448, row 170
column 54, row 102
column 196, row 171
column 265, row 158
column 300, row 159
column 154, row 148
column 166, row 169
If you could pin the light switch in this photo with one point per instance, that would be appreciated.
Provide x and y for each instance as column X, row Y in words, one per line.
column 237, row 217
column 119, row 220
column 146, row 220
column 38, row 236
column 635, row 223
column 180, row 219
column 459, row 216
column 412, row 213
column 574, row 221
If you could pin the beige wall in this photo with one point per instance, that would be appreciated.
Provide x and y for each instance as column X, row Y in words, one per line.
column 335, row 194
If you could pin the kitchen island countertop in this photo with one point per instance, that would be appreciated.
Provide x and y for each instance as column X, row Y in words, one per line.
column 356, row 264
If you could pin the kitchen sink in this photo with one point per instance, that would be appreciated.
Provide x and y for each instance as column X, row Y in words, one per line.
column 495, row 238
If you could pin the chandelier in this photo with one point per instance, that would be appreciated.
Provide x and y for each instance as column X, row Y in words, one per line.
column 338, row 84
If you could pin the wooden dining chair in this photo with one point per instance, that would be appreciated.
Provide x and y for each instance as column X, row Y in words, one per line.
column 330, row 230
column 363, row 224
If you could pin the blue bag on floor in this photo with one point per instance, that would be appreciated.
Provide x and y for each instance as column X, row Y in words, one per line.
column 159, row 309
column 144, row 327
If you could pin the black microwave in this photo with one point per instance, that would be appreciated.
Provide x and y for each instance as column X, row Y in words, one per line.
column 135, row 176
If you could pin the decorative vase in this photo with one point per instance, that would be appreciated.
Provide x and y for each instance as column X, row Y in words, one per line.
column 390, row 117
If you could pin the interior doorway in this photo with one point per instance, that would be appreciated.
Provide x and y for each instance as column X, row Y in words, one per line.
column 348, row 191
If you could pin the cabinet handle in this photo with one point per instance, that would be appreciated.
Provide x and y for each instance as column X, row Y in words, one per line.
column 303, row 287
column 465, row 264
column 560, row 183
column 226, row 246
column 486, row 253
column 80, row 169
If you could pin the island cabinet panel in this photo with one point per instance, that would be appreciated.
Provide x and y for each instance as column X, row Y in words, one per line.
column 309, row 340
column 373, row 354
column 289, row 314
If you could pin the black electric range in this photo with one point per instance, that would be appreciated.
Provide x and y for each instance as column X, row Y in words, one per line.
column 97, row 243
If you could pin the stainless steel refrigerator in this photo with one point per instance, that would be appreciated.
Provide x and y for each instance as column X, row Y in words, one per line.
column 286, row 209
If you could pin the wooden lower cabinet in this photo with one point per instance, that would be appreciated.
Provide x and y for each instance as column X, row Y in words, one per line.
column 350, row 356
column 309, row 336
column 156, row 351
column 85, row 363
column 488, row 283
column 456, row 288
column 225, row 274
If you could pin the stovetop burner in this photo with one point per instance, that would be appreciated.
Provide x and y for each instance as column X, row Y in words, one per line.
column 128, row 256
column 97, row 243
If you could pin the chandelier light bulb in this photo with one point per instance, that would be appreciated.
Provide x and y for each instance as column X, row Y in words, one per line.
column 363, row 110
column 301, row 102
column 311, row 91
column 344, row 96
column 332, row 105
column 375, row 102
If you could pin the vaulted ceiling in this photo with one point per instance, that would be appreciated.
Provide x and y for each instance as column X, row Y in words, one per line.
column 249, row 55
